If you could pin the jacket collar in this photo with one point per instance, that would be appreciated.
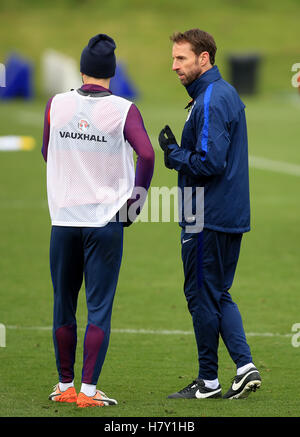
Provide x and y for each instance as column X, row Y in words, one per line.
column 200, row 84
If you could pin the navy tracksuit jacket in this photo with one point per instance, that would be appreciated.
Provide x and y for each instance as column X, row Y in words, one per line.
column 214, row 155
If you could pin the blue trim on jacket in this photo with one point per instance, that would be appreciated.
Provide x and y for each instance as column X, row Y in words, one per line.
column 204, row 133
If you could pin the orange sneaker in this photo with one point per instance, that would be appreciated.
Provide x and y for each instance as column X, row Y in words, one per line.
column 68, row 395
column 98, row 400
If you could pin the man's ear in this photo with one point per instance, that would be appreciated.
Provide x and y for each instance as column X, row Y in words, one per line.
column 204, row 59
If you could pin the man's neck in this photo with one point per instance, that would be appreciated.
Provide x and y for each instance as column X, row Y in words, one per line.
column 206, row 68
column 100, row 82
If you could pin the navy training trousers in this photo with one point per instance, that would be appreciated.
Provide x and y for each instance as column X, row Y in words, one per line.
column 93, row 254
column 209, row 262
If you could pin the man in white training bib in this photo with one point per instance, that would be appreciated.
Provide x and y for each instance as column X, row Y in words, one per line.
column 88, row 143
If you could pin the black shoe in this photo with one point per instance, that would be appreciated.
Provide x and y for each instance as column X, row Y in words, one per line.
column 242, row 385
column 197, row 390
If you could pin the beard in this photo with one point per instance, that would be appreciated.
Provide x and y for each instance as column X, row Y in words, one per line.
column 188, row 78
column 193, row 74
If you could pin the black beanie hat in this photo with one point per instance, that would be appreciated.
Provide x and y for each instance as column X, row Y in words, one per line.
column 98, row 57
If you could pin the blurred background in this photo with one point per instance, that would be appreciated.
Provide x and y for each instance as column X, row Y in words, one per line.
column 258, row 45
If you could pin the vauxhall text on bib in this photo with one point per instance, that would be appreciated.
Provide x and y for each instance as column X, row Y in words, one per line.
column 90, row 168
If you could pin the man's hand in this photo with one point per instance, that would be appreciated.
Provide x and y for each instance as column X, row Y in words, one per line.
column 130, row 216
column 165, row 139
column 133, row 207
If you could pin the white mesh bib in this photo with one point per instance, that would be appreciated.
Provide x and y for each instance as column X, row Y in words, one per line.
column 90, row 168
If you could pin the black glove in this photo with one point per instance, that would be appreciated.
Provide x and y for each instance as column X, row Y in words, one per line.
column 130, row 214
column 165, row 139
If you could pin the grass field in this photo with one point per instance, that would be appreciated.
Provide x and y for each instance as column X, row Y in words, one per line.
column 147, row 359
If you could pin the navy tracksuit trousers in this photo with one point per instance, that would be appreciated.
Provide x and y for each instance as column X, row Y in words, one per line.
column 93, row 254
column 209, row 261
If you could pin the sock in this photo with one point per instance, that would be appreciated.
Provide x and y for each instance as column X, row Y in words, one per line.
column 243, row 369
column 211, row 383
column 63, row 386
column 88, row 389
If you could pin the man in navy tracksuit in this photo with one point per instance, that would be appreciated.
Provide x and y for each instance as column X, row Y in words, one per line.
column 213, row 155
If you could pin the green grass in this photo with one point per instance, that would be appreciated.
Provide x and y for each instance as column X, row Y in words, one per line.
column 142, row 369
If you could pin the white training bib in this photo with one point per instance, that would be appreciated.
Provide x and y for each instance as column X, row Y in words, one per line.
column 90, row 168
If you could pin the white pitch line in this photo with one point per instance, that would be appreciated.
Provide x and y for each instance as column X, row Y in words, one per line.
column 146, row 331
column 36, row 118
column 275, row 166
column 260, row 163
